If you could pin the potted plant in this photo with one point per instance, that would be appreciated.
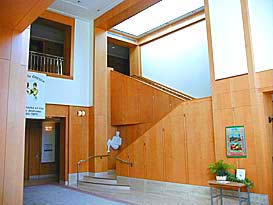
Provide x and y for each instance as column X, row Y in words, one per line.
column 220, row 169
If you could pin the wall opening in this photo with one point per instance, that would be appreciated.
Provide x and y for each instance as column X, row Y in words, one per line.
column 44, row 151
column 118, row 58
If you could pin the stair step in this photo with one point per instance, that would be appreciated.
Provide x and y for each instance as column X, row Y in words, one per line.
column 100, row 180
column 105, row 185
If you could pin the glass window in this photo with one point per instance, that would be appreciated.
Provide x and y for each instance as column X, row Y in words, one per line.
column 157, row 15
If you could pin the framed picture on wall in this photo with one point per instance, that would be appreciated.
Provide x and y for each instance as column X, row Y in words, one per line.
column 236, row 142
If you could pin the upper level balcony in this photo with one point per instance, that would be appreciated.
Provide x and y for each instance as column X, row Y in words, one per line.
column 42, row 62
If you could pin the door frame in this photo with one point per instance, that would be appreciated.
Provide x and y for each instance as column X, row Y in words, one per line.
column 61, row 111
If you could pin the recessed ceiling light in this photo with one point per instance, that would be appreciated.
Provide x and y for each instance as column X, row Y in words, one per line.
column 98, row 10
column 78, row 1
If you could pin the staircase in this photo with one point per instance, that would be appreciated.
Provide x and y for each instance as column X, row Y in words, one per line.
column 107, row 182
column 164, row 88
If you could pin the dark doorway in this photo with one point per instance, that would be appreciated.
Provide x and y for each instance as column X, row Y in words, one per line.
column 44, row 151
column 118, row 58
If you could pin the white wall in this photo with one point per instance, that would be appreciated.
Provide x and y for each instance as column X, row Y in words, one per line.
column 261, row 22
column 180, row 60
column 228, row 41
column 78, row 91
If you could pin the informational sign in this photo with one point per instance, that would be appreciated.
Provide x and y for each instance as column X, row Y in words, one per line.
column 48, row 142
column 35, row 92
column 236, row 142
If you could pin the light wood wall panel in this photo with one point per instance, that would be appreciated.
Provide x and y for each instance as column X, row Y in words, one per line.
column 246, row 104
column 91, row 139
column 136, row 106
column 135, row 60
column 18, row 15
column 78, row 138
column 101, row 101
column 165, row 151
column 12, row 96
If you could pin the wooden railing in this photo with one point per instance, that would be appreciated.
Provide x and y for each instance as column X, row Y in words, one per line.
column 165, row 88
column 124, row 161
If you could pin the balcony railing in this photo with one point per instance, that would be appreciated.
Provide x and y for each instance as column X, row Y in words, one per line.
column 46, row 63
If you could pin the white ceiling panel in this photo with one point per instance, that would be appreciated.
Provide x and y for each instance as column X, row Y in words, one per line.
column 84, row 9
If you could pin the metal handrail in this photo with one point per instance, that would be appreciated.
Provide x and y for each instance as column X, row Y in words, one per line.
column 86, row 160
column 46, row 63
column 45, row 54
column 124, row 161
column 164, row 87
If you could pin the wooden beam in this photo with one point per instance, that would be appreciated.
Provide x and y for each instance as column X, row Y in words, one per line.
column 121, row 12
column 18, row 14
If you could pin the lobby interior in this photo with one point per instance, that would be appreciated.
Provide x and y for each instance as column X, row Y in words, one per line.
column 138, row 99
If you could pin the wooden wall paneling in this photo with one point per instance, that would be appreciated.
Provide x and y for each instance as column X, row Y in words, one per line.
column 245, row 107
column 199, row 136
column 131, row 107
column 122, row 169
column 121, row 12
column 12, row 92
column 18, row 15
column 174, row 147
column 78, row 138
column 136, row 106
column 35, row 136
column 15, row 130
column 153, row 141
column 138, row 158
column 113, row 153
column 117, row 97
column 161, row 105
column 264, row 80
column 4, row 79
column 101, row 102
column 91, row 139
column 26, row 159
column 258, row 113
column 165, row 150
column 145, row 101
column 135, row 60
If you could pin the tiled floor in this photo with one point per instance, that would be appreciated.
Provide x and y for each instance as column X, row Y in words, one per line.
column 60, row 195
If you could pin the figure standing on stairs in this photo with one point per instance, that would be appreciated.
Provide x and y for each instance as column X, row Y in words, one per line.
column 115, row 142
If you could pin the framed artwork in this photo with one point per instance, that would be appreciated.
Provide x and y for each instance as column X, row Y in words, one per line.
column 236, row 142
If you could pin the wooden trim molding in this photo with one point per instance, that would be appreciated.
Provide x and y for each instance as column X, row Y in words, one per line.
column 18, row 15
column 69, row 41
column 121, row 12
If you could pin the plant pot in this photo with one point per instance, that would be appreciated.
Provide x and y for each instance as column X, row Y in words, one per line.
column 221, row 178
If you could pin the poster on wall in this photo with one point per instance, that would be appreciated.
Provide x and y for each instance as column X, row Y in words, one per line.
column 236, row 142
column 48, row 142
column 35, row 92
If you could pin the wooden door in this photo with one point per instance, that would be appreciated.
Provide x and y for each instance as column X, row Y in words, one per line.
column 34, row 133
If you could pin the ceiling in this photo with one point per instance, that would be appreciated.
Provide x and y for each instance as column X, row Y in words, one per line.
column 83, row 9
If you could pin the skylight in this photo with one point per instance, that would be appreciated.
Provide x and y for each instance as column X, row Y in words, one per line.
column 157, row 15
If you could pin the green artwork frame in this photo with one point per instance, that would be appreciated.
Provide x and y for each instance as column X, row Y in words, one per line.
column 236, row 142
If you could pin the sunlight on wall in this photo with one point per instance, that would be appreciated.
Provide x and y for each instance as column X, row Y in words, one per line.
column 261, row 20
column 180, row 60
column 228, row 41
